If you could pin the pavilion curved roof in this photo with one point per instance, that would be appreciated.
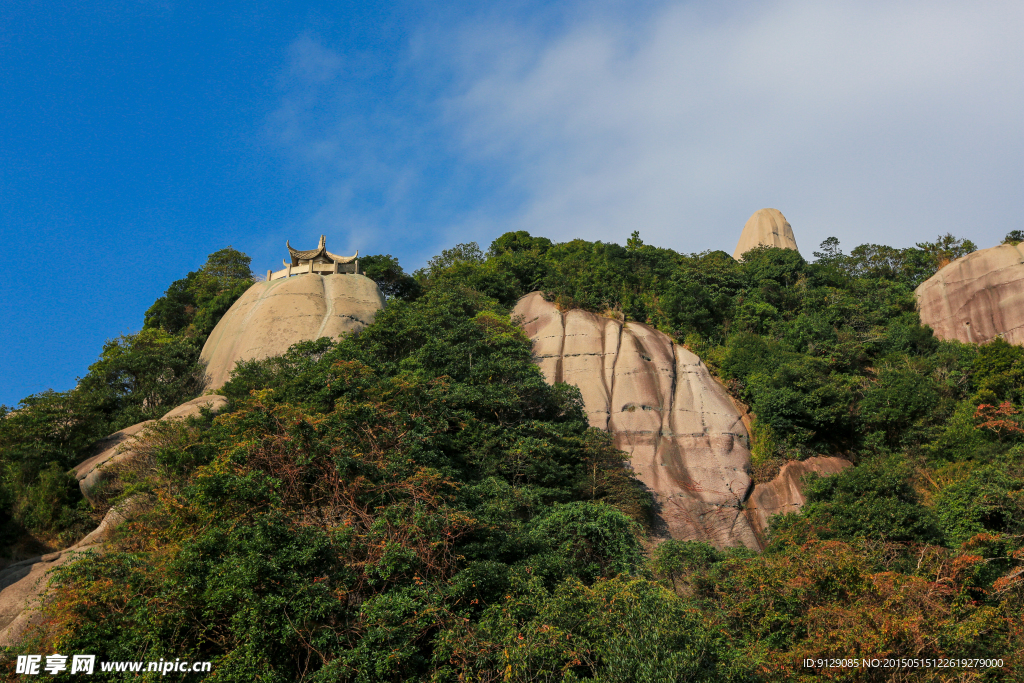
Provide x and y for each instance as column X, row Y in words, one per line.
column 321, row 250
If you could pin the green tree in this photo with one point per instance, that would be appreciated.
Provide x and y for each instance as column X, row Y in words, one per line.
column 1014, row 237
column 393, row 282
column 873, row 500
column 195, row 304
column 947, row 248
column 142, row 376
column 988, row 500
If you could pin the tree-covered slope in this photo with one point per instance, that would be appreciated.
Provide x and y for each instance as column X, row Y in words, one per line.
column 416, row 503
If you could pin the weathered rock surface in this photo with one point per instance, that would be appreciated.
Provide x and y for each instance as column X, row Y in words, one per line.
column 22, row 584
column 271, row 316
column 117, row 447
column 686, row 439
column 768, row 227
column 977, row 297
column 784, row 493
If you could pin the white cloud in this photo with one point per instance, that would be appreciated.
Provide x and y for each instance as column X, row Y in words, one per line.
column 872, row 121
column 886, row 122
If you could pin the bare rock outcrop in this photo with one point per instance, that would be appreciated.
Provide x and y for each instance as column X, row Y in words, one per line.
column 23, row 584
column 768, row 227
column 117, row 448
column 685, row 438
column 784, row 493
column 977, row 297
column 271, row 316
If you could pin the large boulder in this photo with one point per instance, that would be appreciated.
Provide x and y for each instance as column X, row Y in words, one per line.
column 271, row 316
column 686, row 440
column 766, row 227
column 119, row 446
column 977, row 297
column 784, row 493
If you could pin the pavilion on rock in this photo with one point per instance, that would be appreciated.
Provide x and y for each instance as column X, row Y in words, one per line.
column 318, row 261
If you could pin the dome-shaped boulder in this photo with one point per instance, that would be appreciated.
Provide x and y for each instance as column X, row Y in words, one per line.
column 768, row 227
column 271, row 316
column 977, row 297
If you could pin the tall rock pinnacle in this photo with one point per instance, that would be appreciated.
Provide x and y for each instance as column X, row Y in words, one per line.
column 768, row 227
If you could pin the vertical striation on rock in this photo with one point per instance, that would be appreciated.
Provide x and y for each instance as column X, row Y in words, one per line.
column 768, row 227
column 271, row 316
column 977, row 297
column 685, row 438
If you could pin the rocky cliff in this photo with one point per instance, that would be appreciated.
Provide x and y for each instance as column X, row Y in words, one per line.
column 784, row 493
column 977, row 297
column 768, row 227
column 686, row 440
column 271, row 316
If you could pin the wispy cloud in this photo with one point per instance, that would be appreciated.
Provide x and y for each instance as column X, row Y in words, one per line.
column 886, row 122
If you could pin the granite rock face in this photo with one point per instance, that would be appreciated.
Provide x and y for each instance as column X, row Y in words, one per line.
column 117, row 447
column 784, row 493
column 271, row 316
column 768, row 227
column 977, row 297
column 685, row 438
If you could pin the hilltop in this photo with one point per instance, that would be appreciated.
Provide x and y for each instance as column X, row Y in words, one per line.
column 475, row 482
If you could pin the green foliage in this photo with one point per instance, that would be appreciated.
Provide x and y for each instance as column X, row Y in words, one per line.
column 49, row 433
column 910, row 266
column 812, row 599
column 467, row 253
column 614, row 631
column 997, row 373
column 676, row 559
column 518, row 242
column 137, row 377
column 356, row 492
column 393, row 282
column 416, row 503
column 989, row 500
column 874, row 500
column 193, row 305
column 897, row 402
column 770, row 267
column 947, row 248
column 699, row 297
column 142, row 376
column 588, row 540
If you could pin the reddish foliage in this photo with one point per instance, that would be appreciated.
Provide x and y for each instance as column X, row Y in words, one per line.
column 1000, row 420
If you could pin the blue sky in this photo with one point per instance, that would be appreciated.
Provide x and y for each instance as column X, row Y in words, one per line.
column 138, row 136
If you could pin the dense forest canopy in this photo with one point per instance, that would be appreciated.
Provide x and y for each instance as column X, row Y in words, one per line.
column 415, row 503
